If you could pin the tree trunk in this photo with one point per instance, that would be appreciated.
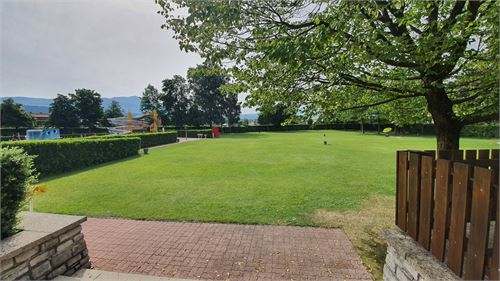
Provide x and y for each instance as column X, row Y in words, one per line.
column 447, row 125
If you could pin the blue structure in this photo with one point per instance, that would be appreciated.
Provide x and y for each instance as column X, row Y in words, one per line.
column 43, row 134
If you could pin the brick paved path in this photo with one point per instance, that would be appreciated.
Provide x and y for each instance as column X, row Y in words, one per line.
column 221, row 251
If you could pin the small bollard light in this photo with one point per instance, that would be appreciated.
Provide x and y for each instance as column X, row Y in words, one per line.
column 324, row 139
column 146, row 150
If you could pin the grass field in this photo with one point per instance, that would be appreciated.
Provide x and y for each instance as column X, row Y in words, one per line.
column 263, row 178
column 266, row 178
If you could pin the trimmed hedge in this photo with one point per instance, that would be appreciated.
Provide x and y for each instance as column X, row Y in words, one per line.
column 194, row 133
column 147, row 139
column 59, row 156
column 17, row 174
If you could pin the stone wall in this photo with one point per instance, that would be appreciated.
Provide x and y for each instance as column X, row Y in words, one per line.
column 49, row 245
column 406, row 260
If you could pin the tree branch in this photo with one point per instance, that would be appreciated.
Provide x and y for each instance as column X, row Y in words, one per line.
column 480, row 118
column 378, row 103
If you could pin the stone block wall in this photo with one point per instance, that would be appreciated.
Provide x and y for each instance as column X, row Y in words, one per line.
column 406, row 260
column 50, row 245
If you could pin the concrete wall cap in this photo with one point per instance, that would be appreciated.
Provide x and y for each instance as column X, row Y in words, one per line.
column 37, row 228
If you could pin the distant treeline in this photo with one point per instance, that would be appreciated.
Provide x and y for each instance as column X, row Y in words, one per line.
column 490, row 130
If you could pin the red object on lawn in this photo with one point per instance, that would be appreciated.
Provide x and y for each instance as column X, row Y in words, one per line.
column 215, row 132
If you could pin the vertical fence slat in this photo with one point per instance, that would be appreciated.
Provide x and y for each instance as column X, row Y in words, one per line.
column 483, row 154
column 457, row 155
column 442, row 202
column 495, row 265
column 426, row 200
column 431, row 152
column 444, row 154
column 476, row 248
column 495, row 153
column 459, row 208
column 413, row 194
column 470, row 156
column 401, row 189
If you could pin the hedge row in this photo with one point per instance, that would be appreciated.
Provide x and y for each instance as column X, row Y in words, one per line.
column 147, row 139
column 59, row 156
column 194, row 133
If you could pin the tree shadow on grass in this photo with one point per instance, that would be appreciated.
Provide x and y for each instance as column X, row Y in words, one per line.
column 82, row 170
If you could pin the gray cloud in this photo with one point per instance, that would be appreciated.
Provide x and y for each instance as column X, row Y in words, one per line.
column 115, row 47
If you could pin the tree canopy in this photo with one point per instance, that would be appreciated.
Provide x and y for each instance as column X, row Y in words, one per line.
column 14, row 115
column 88, row 104
column 176, row 100
column 114, row 110
column 62, row 112
column 216, row 106
column 197, row 101
column 434, row 59
column 273, row 116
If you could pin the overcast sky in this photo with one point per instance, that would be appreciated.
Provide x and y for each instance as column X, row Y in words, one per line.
column 115, row 47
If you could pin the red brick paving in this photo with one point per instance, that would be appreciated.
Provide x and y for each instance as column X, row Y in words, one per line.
column 221, row 251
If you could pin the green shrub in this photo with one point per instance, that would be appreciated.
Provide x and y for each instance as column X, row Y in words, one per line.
column 17, row 174
column 488, row 130
column 147, row 139
column 194, row 133
column 58, row 156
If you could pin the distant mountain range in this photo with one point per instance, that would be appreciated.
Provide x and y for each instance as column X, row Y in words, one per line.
column 132, row 104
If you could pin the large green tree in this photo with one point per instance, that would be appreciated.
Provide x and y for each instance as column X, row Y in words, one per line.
column 175, row 98
column 206, row 84
column 14, row 115
column 88, row 104
column 275, row 115
column 114, row 110
column 322, row 56
column 151, row 100
column 62, row 112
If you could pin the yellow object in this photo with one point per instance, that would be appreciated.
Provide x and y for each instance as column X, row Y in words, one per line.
column 387, row 130
column 129, row 117
column 39, row 189
column 156, row 122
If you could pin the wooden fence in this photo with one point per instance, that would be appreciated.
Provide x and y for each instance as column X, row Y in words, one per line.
column 450, row 206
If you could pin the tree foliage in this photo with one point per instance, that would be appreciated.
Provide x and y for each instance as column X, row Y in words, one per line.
column 275, row 115
column 151, row 100
column 197, row 101
column 62, row 112
column 214, row 105
column 114, row 110
column 88, row 105
column 176, row 100
column 323, row 57
column 14, row 115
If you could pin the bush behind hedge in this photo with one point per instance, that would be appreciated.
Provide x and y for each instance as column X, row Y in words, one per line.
column 147, row 139
column 59, row 156
column 488, row 130
column 17, row 174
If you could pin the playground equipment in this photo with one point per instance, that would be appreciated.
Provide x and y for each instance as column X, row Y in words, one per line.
column 43, row 134
column 129, row 124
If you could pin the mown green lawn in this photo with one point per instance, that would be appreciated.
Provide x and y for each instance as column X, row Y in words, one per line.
column 265, row 178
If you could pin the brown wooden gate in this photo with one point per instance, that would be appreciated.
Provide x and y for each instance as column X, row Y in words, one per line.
column 450, row 206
